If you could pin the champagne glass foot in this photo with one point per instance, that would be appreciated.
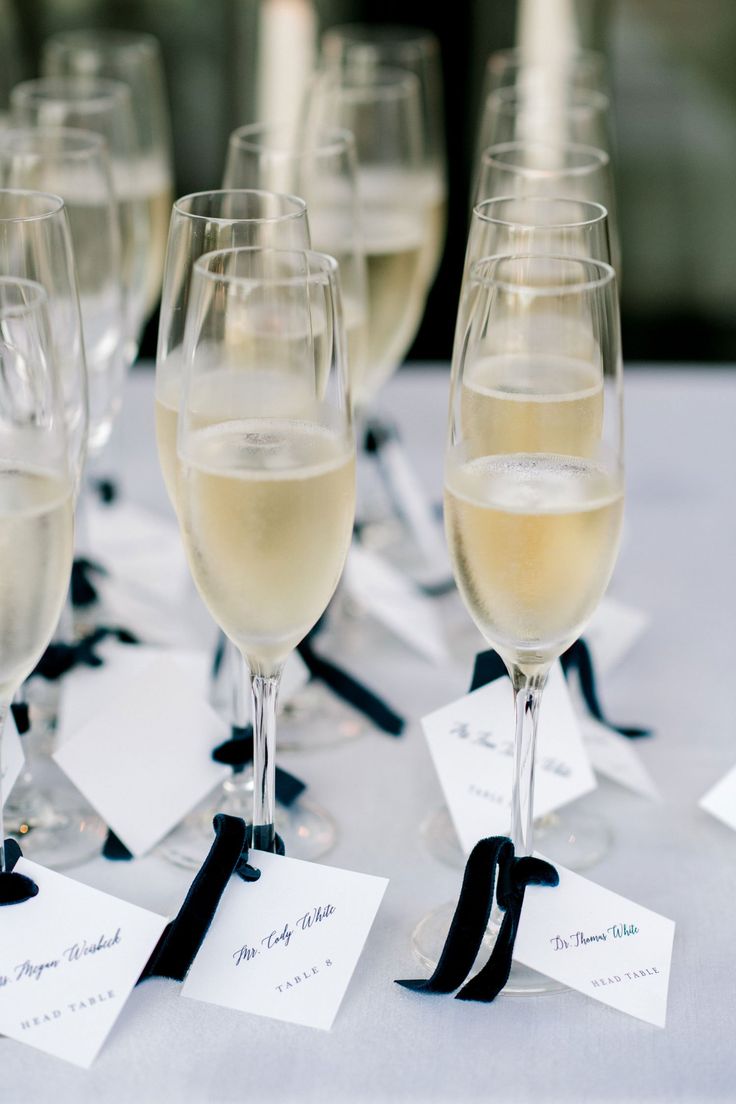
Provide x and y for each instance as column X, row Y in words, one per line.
column 315, row 718
column 307, row 830
column 573, row 838
column 56, row 830
column 428, row 939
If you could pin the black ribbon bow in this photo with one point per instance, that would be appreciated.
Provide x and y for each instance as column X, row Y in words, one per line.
column 470, row 920
column 489, row 666
column 60, row 657
column 83, row 590
column 15, row 888
column 237, row 752
column 182, row 938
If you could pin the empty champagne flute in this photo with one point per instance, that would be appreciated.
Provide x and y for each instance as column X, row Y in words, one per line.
column 104, row 106
column 266, row 464
column 135, row 59
column 533, row 488
column 36, row 490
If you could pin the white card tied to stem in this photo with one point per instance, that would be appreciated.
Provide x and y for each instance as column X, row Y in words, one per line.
column 69, row 959
column 613, row 630
column 144, row 761
column 599, row 943
column 286, row 946
column 472, row 746
column 12, row 759
column 720, row 800
column 395, row 601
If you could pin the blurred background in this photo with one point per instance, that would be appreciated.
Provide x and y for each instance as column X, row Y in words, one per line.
column 230, row 62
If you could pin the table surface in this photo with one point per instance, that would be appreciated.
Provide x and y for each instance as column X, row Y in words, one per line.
column 391, row 1045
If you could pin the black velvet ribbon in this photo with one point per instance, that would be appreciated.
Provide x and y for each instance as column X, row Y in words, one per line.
column 237, row 752
column 21, row 716
column 15, row 888
column 83, row 590
column 182, row 938
column 351, row 690
column 470, row 920
column 60, row 657
column 489, row 666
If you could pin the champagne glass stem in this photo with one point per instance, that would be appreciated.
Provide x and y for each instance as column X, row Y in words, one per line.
column 265, row 690
column 236, row 675
column 528, row 687
column 3, row 714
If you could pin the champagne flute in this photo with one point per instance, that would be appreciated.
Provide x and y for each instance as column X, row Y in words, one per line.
column 515, row 67
column 135, row 59
column 515, row 114
column 75, row 165
column 365, row 47
column 266, row 464
column 540, row 169
column 104, row 106
column 321, row 168
column 533, row 487
column 514, row 225
column 202, row 223
column 36, row 491
column 383, row 111
column 57, row 827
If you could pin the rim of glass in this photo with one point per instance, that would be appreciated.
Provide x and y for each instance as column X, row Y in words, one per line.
column 325, row 267
column 38, row 296
column 577, row 100
column 598, row 212
column 594, row 158
column 102, row 39
column 81, row 142
column 369, row 36
column 386, row 83
column 606, row 274
column 298, row 203
column 55, row 204
column 515, row 55
column 77, row 89
column 340, row 140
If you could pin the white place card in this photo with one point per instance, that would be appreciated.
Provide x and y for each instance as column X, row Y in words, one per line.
column 414, row 505
column 87, row 690
column 472, row 746
column 286, row 946
column 396, row 601
column 599, row 943
column 615, row 757
column 69, row 959
column 143, row 761
column 613, row 631
column 720, row 801
column 12, row 759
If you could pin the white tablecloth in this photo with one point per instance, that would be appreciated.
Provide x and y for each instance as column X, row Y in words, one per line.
column 392, row 1045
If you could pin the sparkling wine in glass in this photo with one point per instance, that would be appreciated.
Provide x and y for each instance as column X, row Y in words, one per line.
column 533, row 483
column 135, row 59
column 36, row 490
column 75, row 165
column 266, row 481
column 104, row 106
